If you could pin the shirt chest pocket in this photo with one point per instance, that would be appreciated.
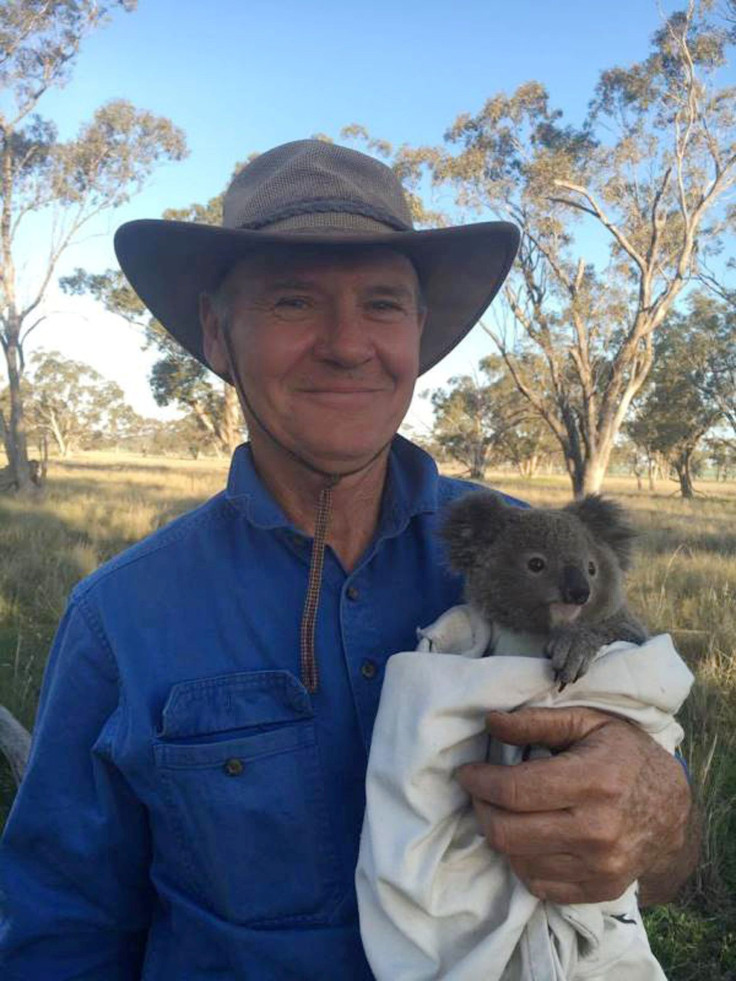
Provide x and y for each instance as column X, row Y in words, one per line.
column 239, row 771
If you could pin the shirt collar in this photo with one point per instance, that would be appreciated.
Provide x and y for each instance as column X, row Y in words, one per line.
column 411, row 489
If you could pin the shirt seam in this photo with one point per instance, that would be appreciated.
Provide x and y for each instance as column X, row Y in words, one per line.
column 91, row 619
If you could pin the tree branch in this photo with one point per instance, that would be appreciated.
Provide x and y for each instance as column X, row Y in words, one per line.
column 599, row 213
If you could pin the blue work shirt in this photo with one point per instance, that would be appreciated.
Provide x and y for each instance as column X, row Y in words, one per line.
column 189, row 811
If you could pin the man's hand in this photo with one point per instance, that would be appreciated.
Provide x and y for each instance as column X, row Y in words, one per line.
column 580, row 826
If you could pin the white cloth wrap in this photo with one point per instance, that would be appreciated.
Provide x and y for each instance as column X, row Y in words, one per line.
column 435, row 901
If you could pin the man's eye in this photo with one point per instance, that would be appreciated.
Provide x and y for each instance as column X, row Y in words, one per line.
column 291, row 302
column 386, row 310
column 292, row 307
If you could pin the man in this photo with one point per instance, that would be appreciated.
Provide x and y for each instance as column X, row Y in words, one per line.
column 194, row 795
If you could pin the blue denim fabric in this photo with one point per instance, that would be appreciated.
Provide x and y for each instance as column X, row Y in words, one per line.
column 189, row 810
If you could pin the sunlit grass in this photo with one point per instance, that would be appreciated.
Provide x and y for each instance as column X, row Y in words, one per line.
column 684, row 582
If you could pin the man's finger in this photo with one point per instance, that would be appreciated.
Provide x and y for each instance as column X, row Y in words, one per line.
column 528, row 835
column 548, row 784
column 555, row 728
column 553, row 868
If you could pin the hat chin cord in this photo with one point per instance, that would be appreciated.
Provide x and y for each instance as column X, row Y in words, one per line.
column 307, row 653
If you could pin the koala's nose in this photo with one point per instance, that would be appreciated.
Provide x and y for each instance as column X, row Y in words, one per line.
column 575, row 588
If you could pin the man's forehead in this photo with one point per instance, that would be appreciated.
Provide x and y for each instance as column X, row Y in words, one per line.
column 303, row 264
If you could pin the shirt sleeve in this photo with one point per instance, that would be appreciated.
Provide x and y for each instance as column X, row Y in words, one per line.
column 76, row 898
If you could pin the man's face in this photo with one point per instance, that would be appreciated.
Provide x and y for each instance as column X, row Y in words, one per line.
column 327, row 349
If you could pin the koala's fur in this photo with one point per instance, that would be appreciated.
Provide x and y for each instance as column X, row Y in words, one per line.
column 545, row 571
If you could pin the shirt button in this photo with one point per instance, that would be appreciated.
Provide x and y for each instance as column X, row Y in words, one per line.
column 352, row 592
column 233, row 767
column 368, row 669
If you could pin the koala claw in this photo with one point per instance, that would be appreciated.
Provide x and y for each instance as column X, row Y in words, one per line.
column 563, row 684
column 570, row 652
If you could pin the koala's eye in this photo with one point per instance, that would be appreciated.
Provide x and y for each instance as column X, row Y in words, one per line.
column 535, row 564
column 591, row 569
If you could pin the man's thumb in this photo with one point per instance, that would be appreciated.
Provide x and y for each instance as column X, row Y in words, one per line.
column 556, row 728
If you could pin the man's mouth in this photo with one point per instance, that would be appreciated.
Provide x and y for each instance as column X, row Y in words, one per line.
column 340, row 394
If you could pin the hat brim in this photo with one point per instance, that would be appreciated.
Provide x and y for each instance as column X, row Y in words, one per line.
column 171, row 263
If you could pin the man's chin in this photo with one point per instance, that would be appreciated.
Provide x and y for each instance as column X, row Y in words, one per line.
column 334, row 453
column 342, row 459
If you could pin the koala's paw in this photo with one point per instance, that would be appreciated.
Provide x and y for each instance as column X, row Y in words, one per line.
column 571, row 652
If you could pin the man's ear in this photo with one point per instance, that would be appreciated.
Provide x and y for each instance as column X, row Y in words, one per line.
column 213, row 343
column 608, row 522
column 469, row 524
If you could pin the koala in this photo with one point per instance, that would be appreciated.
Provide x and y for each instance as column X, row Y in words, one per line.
column 558, row 573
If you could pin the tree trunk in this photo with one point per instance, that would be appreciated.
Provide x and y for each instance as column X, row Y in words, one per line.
column 15, row 439
column 478, row 462
column 44, row 451
column 651, row 466
column 682, row 468
column 587, row 474
column 230, row 418
column 595, row 472
column 5, row 435
column 61, row 443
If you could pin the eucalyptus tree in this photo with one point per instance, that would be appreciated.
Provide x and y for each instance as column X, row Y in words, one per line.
column 176, row 377
column 643, row 180
column 66, row 182
column 74, row 405
column 480, row 418
column 685, row 399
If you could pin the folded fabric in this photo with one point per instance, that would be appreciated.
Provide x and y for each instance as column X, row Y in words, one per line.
column 435, row 901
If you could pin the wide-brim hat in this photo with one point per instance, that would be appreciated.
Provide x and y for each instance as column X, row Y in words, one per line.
column 316, row 194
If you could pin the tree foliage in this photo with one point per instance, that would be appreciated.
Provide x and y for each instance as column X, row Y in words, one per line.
column 482, row 418
column 176, row 377
column 74, row 406
column 646, row 172
column 683, row 402
column 70, row 182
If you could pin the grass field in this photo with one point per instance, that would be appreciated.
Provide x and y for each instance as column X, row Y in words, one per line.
column 684, row 583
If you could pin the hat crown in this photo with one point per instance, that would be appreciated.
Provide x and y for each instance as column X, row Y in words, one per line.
column 312, row 177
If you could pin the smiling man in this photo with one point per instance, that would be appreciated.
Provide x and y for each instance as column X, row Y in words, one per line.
column 194, row 797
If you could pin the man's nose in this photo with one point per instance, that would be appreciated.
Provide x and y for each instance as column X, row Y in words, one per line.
column 344, row 338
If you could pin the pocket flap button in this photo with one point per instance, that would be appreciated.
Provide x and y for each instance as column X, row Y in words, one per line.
column 233, row 767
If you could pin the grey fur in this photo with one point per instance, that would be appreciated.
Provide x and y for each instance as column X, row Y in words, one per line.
column 492, row 543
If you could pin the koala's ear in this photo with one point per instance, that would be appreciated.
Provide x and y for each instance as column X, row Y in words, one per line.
column 608, row 522
column 470, row 523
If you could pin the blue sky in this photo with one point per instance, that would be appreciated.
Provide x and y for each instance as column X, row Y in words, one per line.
column 243, row 75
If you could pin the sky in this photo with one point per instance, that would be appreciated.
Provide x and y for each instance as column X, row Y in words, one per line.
column 240, row 76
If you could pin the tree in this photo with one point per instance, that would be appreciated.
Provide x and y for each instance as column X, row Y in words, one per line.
column 717, row 379
column 176, row 377
column 479, row 418
column 74, row 405
column 70, row 182
column 681, row 406
column 722, row 455
column 464, row 423
column 647, row 171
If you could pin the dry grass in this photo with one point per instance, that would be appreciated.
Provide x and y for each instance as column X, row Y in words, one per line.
column 684, row 583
